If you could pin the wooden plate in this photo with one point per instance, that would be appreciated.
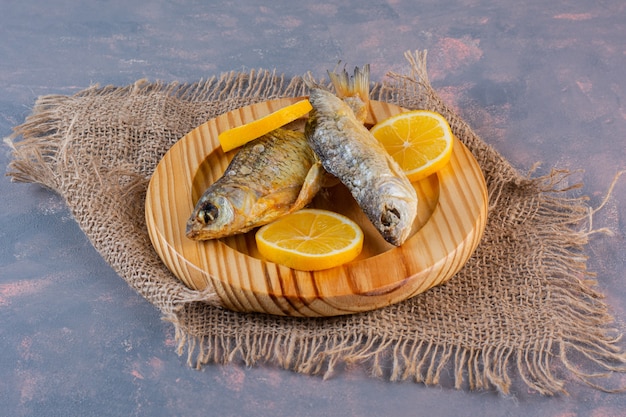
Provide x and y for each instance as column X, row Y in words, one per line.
column 452, row 213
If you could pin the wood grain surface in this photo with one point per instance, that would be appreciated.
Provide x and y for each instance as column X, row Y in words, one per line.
column 452, row 213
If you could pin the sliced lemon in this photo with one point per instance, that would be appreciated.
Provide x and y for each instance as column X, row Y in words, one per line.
column 310, row 240
column 240, row 135
column 420, row 141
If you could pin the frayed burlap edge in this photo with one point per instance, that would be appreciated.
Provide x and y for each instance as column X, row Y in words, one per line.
column 44, row 156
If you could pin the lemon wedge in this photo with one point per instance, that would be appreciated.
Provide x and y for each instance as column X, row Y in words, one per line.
column 240, row 135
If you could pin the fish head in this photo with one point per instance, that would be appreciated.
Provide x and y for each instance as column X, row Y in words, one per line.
column 398, row 211
column 213, row 217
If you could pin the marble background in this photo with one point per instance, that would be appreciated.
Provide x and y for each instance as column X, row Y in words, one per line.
column 540, row 81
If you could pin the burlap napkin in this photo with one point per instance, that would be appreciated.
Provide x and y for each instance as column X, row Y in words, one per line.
column 523, row 305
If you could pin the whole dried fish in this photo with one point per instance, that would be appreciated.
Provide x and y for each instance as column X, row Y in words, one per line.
column 269, row 177
column 348, row 150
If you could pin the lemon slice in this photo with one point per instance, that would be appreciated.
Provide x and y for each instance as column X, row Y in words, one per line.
column 310, row 240
column 420, row 141
column 240, row 135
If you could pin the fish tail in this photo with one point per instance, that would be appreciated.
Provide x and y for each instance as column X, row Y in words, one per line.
column 357, row 85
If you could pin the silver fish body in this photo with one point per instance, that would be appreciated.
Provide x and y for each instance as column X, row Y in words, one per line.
column 269, row 177
column 349, row 151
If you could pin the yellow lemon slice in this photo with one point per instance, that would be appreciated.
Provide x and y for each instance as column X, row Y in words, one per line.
column 240, row 135
column 310, row 240
column 420, row 141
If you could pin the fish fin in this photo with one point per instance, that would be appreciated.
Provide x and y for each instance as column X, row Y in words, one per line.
column 354, row 91
column 269, row 207
column 357, row 85
column 312, row 184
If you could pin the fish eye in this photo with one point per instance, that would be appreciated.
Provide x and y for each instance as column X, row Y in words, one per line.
column 208, row 214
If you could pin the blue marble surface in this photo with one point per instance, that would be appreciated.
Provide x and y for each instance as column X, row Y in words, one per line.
column 540, row 81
